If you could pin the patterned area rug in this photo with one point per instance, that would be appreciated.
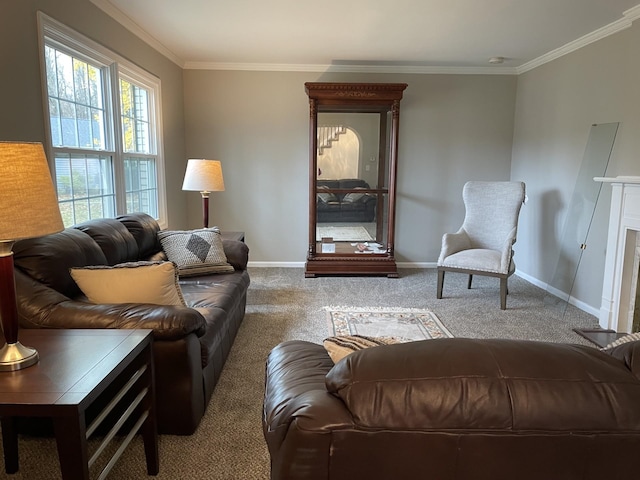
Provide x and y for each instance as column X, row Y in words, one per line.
column 344, row 234
column 406, row 324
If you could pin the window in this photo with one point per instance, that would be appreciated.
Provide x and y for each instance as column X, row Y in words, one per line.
column 104, row 129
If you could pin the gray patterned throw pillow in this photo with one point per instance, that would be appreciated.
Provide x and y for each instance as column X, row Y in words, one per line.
column 195, row 252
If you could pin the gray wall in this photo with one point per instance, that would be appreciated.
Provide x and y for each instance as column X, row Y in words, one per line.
column 452, row 128
column 22, row 117
column 556, row 105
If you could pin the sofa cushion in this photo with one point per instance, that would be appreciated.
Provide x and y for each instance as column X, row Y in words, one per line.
column 352, row 183
column 216, row 298
column 116, row 242
column 329, row 184
column 48, row 259
column 494, row 385
column 325, row 196
column 195, row 252
column 144, row 229
column 355, row 196
column 133, row 282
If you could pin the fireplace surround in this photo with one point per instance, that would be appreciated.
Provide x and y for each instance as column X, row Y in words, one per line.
column 619, row 291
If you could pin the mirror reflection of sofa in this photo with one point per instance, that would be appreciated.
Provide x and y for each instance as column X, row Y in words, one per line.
column 345, row 207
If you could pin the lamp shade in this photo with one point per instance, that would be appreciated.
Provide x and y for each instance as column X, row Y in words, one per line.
column 203, row 176
column 28, row 202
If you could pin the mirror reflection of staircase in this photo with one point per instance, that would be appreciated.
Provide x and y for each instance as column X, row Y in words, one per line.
column 327, row 134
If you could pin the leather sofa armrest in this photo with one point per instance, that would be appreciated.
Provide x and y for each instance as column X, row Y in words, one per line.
column 629, row 354
column 42, row 307
column 370, row 199
column 295, row 393
column 237, row 253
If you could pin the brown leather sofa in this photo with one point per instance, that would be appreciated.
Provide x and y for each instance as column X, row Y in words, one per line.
column 454, row 409
column 191, row 343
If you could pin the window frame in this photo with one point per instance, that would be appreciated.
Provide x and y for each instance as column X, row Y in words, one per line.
column 113, row 68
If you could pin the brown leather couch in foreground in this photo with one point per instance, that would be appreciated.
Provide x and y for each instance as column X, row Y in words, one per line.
column 454, row 409
column 191, row 343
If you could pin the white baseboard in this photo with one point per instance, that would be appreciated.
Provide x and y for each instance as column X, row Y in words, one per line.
column 417, row 264
column 276, row 264
column 531, row 279
column 585, row 307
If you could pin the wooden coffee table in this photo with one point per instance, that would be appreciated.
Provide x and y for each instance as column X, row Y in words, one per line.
column 80, row 370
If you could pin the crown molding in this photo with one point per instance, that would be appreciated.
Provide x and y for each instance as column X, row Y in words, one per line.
column 628, row 17
column 137, row 30
column 348, row 68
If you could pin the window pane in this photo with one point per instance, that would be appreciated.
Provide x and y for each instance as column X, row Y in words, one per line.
column 136, row 128
column 75, row 89
column 95, row 87
column 85, row 187
column 126, row 98
column 79, row 178
column 97, row 128
column 84, row 127
column 96, row 208
column 50, row 63
column 128, row 135
column 80, row 83
column 56, row 127
column 68, row 122
column 140, row 185
column 64, row 72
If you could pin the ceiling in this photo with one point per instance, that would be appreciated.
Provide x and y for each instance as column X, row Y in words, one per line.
column 403, row 35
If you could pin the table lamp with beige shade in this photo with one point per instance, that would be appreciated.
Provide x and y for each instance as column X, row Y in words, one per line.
column 29, row 208
column 204, row 176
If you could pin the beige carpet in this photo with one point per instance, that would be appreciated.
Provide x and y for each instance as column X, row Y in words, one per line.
column 405, row 324
column 283, row 305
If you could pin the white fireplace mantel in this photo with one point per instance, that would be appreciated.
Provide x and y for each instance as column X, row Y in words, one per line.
column 619, row 270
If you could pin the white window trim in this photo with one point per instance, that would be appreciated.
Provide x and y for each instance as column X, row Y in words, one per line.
column 67, row 39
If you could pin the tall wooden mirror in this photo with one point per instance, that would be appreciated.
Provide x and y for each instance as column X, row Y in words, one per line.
column 353, row 154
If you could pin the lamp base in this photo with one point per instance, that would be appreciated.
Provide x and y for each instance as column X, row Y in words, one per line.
column 15, row 356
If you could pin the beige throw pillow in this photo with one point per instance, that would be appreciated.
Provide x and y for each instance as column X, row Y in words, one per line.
column 134, row 282
column 341, row 346
column 195, row 252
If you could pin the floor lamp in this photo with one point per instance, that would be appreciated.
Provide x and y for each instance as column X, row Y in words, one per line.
column 204, row 176
column 29, row 208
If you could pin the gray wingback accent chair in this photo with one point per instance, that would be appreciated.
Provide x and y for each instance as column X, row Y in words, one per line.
column 482, row 246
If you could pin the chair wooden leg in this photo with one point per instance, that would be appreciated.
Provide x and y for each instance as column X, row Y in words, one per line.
column 469, row 282
column 503, row 293
column 440, row 283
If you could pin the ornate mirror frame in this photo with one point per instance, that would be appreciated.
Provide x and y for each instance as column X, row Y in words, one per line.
column 344, row 257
